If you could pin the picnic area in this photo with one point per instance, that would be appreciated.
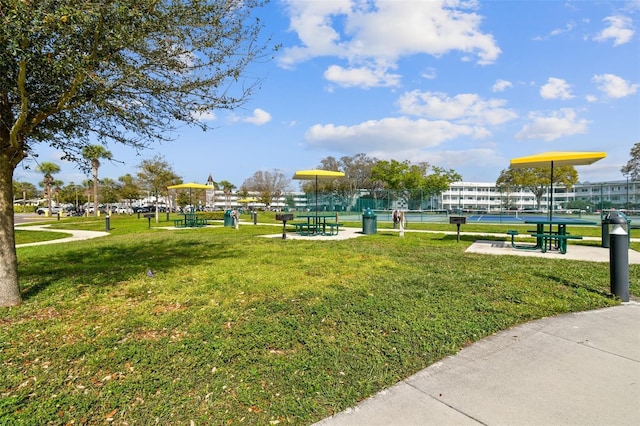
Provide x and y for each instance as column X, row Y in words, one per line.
column 191, row 324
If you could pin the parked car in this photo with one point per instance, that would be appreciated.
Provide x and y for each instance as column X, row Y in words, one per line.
column 44, row 210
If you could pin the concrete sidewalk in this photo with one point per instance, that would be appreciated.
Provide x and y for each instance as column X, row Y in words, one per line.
column 581, row 368
column 76, row 235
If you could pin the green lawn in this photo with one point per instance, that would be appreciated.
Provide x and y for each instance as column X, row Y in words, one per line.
column 219, row 326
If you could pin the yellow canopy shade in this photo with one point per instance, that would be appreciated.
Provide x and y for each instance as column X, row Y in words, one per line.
column 557, row 158
column 315, row 174
column 190, row 185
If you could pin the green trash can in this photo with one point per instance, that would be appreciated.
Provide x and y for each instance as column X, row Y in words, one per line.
column 228, row 219
column 369, row 222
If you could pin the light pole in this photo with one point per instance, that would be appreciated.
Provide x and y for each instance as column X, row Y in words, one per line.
column 48, row 181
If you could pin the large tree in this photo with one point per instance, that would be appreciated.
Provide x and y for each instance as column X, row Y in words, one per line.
column 93, row 154
column 632, row 169
column 155, row 175
column 537, row 179
column 270, row 185
column 415, row 182
column 124, row 71
column 129, row 189
column 357, row 170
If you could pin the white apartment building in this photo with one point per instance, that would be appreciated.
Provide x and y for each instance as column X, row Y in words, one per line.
column 486, row 196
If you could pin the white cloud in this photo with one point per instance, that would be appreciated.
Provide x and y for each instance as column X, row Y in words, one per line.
column 614, row 86
column 556, row 88
column 258, row 118
column 559, row 124
column 389, row 134
column 430, row 73
column 361, row 77
column 556, row 32
column 501, row 85
column 466, row 108
column 376, row 34
column 203, row 115
column 568, row 28
column 620, row 29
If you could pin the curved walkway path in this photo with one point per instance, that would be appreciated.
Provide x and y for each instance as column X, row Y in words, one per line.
column 76, row 235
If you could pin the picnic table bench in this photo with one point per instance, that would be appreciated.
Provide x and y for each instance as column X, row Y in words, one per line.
column 543, row 239
column 304, row 228
column 190, row 221
column 310, row 228
column 559, row 240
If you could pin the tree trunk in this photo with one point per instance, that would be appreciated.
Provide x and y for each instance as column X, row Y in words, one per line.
column 9, row 287
column 95, row 166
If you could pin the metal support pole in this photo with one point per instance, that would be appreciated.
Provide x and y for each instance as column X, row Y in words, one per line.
column 107, row 223
column 255, row 218
column 619, row 262
column 284, row 229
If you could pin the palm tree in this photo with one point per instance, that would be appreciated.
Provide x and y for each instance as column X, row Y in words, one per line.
column 94, row 153
column 47, row 169
column 227, row 188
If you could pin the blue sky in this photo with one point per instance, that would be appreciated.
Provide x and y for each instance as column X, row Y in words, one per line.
column 466, row 85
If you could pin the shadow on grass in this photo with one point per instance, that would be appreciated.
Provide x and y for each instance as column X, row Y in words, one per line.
column 471, row 238
column 565, row 282
column 106, row 263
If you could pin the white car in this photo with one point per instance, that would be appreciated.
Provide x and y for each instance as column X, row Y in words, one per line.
column 43, row 210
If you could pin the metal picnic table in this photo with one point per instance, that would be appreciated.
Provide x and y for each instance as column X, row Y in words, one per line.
column 553, row 239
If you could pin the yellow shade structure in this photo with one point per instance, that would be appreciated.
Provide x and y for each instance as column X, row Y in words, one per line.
column 315, row 174
column 556, row 158
column 190, row 186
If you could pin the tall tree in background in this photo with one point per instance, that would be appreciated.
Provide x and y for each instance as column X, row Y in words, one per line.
column 414, row 181
column 155, row 175
column 48, row 169
column 357, row 170
column 632, row 169
column 129, row 189
column 269, row 185
column 93, row 154
column 227, row 188
column 129, row 71
column 537, row 179
column 109, row 192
